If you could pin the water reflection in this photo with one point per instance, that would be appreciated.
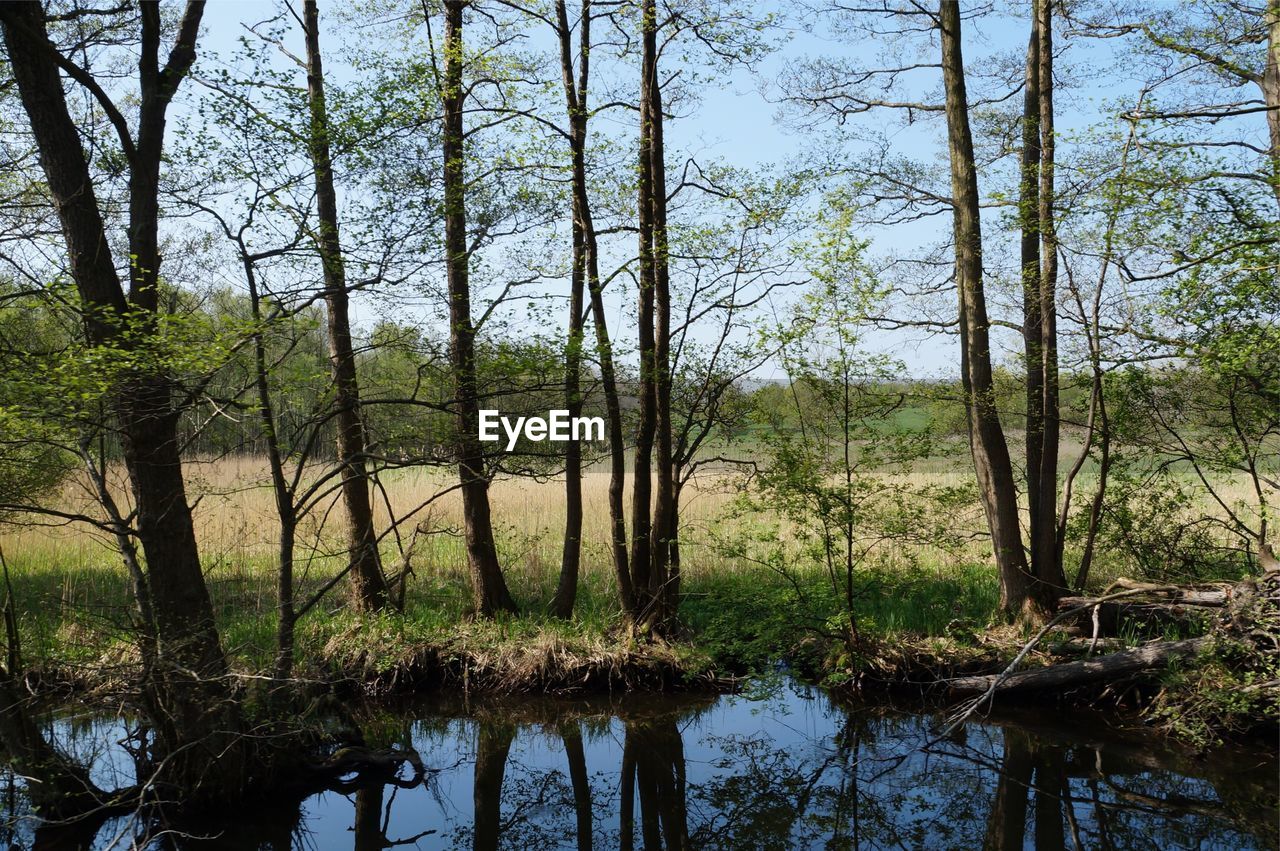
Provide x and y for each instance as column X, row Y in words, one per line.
column 653, row 766
column 791, row 771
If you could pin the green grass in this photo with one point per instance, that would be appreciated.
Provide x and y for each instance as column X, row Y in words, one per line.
column 738, row 619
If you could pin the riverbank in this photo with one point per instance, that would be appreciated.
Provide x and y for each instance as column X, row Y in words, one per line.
column 923, row 613
column 921, row 618
column 735, row 631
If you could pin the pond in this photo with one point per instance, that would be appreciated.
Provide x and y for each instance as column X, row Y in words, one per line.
column 790, row 768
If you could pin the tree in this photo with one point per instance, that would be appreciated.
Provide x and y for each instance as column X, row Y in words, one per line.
column 493, row 744
column 725, row 273
column 586, row 266
column 187, row 691
column 1221, row 48
column 898, row 191
column 654, row 515
column 833, row 446
column 491, row 594
column 1039, row 260
column 648, row 520
column 653, row 769
column 368, row 584
column 1019, row 590
column 733, row 250
column 1193, row 310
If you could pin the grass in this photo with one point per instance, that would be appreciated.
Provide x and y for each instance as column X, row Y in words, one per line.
column 74, row 603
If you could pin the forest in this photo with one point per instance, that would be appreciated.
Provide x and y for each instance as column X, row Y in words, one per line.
column 389, row 388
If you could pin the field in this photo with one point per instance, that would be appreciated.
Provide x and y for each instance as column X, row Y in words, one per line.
column 74, row 595
column 72, row 589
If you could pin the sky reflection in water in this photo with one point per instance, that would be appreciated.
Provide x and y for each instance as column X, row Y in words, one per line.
column 791, row 770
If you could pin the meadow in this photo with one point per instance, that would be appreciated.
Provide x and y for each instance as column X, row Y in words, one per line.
column 73, row 596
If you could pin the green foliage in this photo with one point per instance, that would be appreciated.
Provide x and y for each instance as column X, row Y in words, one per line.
column 1228, row 689
column 751, row 619
column 833, row 480
column 35, row 397
column 1156, row 528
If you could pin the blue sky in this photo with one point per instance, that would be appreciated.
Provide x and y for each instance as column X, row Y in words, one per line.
column 738, row 121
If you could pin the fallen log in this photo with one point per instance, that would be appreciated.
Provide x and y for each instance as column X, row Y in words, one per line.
column 1183, row 597
column 1084, row 672
column 1250, row 612
column 1113, row 618
column 992, row 683
column 1159, row 606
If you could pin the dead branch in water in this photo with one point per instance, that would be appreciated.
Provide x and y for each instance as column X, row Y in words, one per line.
column 992, row 684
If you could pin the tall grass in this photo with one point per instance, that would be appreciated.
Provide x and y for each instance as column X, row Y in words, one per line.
column 73, row 595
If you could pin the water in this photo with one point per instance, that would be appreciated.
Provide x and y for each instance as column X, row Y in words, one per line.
column 788, row 770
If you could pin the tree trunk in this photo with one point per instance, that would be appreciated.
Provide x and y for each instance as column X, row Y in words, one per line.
column 1039, row 304
column 617, row 440
column 368, row 585
column 492, row 746
column 1032, row 322
column 1095, row 506
column 1046, row 564
column 367, row 833
column 660, row 776
column 491, row 594
column 1271, row 91
column 627, row 794
column 986, row 437
column 577, row 104
column 664, row 604
column 571, row 736
column 571, row 552
column 673, row 541
column 145, row 624
column 1050, row 784
column 286, row 513
column 1099, row 419
column 1007, row 823
column 1088, row 671
column 575, row 101
column 642, row 480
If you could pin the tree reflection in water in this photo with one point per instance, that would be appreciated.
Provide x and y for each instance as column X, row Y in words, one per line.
column 792, row 772
column 653, row 765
